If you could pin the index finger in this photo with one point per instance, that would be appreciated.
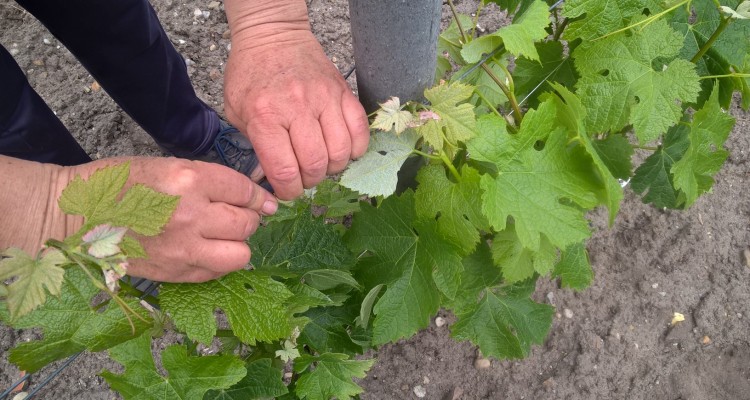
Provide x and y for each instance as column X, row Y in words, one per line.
column 223, row 184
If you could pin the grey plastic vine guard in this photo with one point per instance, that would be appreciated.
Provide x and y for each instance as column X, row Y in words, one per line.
column 395, row 48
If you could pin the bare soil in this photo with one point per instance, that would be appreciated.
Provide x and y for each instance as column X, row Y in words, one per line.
column 612, row 341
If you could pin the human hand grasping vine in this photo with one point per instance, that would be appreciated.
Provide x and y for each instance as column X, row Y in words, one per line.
column 283, row 92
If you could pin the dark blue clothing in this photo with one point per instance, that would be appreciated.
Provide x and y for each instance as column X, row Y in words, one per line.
column 124, row 47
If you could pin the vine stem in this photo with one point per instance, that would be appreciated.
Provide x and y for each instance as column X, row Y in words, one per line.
column 511, row 97
column 450, row 166
column 706, row 46
column 426, row 155
column 458, row 22
column 732, row 75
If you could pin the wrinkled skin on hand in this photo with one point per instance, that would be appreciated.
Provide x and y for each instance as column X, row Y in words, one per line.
column 294, row 105
column 218, row 210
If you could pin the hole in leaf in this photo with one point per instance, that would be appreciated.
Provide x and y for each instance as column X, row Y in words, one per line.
column 637, row 100
column 604, row 73
column 382, row 152
column 646, row 12
column 249, row 288
column 539, row 145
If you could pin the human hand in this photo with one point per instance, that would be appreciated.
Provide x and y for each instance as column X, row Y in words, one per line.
column 294, row 105
column 218, row 210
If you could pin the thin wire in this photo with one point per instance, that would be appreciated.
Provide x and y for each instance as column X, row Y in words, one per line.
column 350, row 72
column 53, row 375
column 15, row 384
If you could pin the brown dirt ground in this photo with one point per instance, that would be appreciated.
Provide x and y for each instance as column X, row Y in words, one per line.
column 617, row 343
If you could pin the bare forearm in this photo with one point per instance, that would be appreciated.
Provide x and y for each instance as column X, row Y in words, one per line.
column 29, row 214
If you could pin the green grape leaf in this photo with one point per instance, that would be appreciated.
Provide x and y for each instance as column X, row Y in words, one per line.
column 301, row 244
column 480, row 272
column 519, row 37
column 571, row 113
column 324, row 279
column 456, row 122
column 253, row 304
column 512, row 6
column 616, row 153
column 132, row 248
column 535, row 76
column 517, row 262
column 375, row 173
column 653, row 178
column 726, row 54
column 71, row 324
column 338, row 200
column 454, row 205
column 710, row 128
column 365, row 309
column 602, row 16
column 96, row 196
column 574, row 268
column 141, row 209
column 619, row 85
column 144, row 210
column 188, row 377
column 504, row 326
column 32, row 277
column 327, row 330
column 404, row 263
column 262, row 381
column 542, row 183
column 390, row 116
column 331, row 376
column 742, row 11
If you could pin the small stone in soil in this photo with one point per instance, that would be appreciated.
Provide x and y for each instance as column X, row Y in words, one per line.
column 551, row 298
column 457, row 393
column 214, row 5
column 13, row 52
column 747, row 256
column 439, row 321
column 197, row 12
column 482, row 363
column 227, row 34
column 46, row 41
column 214, row 74
column 706, row 340
column 568, row 313
column 419, row 391
column 212, row 47
column 426, row 380
column 549, row 384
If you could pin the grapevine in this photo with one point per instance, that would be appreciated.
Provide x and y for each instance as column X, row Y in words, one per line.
column 525, row 131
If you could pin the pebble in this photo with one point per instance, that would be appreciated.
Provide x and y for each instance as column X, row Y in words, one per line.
column 229, row 47
column 189, row 62
column 655, row 286
column 662, row 294
column 212, row 47
column 439, row 321
column 457, row 393
column 426, row 380
column 482, row 363
column 214, row 74
column 13, row 52
column 206, row 14
column 568, row 313
column 227, row 34
column 181, row 41
column 214, row 5
column 334, row 59
column 706, row 340
column 96, row 86
column 38, row 62
column 197, row 12
column 747, row 256
column 549, row 384
column 288, row 375
column 420, row 391
column 551, row 298
column 46, row 41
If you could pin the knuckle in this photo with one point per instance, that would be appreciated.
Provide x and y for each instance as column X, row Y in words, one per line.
column 285, row 174
column 317, row 165
column 339, row 155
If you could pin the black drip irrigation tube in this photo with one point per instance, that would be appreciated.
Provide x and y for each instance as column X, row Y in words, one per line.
column 149, row 287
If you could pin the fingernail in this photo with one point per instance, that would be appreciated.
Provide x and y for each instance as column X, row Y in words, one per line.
column 269, row 207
